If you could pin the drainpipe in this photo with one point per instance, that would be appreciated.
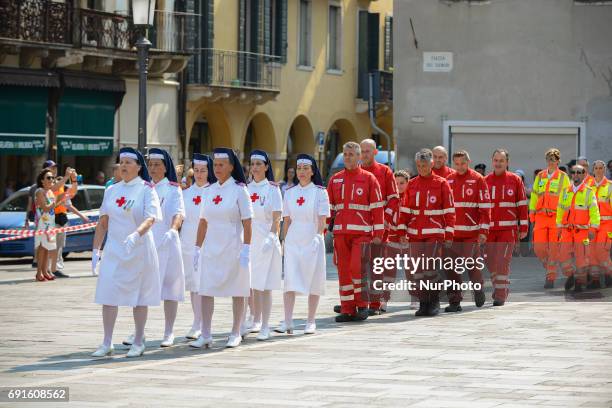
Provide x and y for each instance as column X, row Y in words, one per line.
column 372, row 111
column 182, row 116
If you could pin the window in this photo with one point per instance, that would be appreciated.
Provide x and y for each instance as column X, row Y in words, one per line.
column 79, row 200
column 96, row 195
column 305, row 34
column 334, row 40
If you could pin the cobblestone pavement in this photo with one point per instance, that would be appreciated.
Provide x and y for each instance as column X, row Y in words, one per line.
column 539, row 353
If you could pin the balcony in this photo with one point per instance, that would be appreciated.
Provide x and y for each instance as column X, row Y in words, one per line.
column 245, row 76
column 382, row 91
column 62, row 36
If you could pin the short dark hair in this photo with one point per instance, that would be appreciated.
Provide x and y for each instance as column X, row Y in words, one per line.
column 501, row 150
column 41, row 176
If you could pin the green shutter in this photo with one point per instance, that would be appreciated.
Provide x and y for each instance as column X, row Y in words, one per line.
column 267, row 32
column 86, row 122
column 23, row 110
column 242, row 4
column 283, row 30
column 388, row 43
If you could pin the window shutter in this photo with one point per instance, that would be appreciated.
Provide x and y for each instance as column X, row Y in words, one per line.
column 241, row 36
column 283, row 27
column 388, row 43
column 210, row 37
column 192, row 28
column 267, row 32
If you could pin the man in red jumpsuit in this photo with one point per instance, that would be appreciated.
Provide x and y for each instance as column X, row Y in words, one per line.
column 357, row 212
column 388, row 188
column 428, row 214
column 440, row 158
column 509, row 223
column 472, row 217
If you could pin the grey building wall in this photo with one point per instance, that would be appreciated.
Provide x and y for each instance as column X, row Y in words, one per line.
column 514, row 60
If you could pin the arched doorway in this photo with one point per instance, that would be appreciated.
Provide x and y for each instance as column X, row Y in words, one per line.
column 259, row 135
column 210, row 130
column 301, row 140
column 340, row 132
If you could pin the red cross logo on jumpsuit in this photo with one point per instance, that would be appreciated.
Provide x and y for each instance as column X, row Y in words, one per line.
column 300, row 201
column 254, row 197
column 197, row 200
column 120, row 201
column 217, row 199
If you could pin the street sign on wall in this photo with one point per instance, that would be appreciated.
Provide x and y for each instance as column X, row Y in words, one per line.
column 437, row 61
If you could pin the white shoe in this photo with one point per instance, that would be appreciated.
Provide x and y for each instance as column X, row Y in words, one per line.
column 103, row 351
column 193, row 334
column 310, row 328
column 130, row 340
column 167, row 341
column 202, row 341
column 248, row 322
column 136, row 350
column 284, row 328
column 256, row 327
column 264, row 334
column 233, row 341
column 244, row 331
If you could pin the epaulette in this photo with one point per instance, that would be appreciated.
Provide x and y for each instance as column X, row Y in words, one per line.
column 274, row 183
column 292, row 186
column 322, row 187
column 240, row 183
column 148, row 183
column 174, row 183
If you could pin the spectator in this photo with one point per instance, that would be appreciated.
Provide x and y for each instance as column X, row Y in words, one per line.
column 481, row 168
column 116, row 176
column 45, row 204
column 609, row 172
column 289, row 181
column 100, row 178
column 61, row 216
column 563, row 169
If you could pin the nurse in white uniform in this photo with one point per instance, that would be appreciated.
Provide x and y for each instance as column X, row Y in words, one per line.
column 305, row 210
column 266, row 260
column 224, row 236
column 193, row 198
column 129, row 270
column 167, row 239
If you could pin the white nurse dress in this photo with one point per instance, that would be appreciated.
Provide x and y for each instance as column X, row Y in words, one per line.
column 192, row 198
column 170, row 257
column 129, row 279
column 304, row 248
column 266, row 264
column 224, row 209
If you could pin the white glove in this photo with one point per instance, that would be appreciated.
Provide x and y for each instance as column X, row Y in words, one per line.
column 245, row 255
column 95, row 258
column 131, row 241
column 169, row 236
column 269, row 242
column 315, row 244
column 196, row 257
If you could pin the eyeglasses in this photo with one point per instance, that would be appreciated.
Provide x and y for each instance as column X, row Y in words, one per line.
column 576, row 172
column 49, row 178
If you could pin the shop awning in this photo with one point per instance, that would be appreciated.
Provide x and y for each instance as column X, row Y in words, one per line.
column 86, row 121
column 23, row 111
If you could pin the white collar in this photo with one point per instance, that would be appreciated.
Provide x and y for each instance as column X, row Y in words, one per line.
column 133, row 181
column 307, row 186
column 230, row 181
column 162, row 182
column 261, row 183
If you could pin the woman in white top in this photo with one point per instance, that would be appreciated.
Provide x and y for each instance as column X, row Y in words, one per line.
column 167, row 239
column 305, row 210
column 224, row 235
column 266, row 261
column 129, row 271
column 193, row 198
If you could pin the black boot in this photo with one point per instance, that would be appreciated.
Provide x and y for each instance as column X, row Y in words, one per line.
column 578, row 288
column 453, row 307
column 337, row 309
column 373, row 312
column 362, row 314
column 344, row 317
column 423, row 306
column 498, row 302
column 434, row 308
column 479, row 298
column 569, row 283
column 549, row 284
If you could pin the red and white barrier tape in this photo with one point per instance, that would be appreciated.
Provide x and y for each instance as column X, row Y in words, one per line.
column 21, row 234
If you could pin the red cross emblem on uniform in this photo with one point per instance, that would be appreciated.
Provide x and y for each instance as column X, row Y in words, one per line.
column 217, row 199
column 120, row 201
column 197, row 200
column 254, row 197
column 300, row 201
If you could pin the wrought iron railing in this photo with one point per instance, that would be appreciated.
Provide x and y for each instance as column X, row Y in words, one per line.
column 171, row 31
column 100, row 29
column 383, row 87
column 36, row 20
column 236, row 69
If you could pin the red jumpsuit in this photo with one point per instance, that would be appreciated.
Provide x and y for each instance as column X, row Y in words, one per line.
column 443, row 171
column 509, row 216
column 357, row 209
column 428, row 214
column 472, row 218
column 388, row 188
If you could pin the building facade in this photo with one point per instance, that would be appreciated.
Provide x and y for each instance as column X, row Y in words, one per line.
column 521, row 74
column 68, row 87
column 287, row 76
